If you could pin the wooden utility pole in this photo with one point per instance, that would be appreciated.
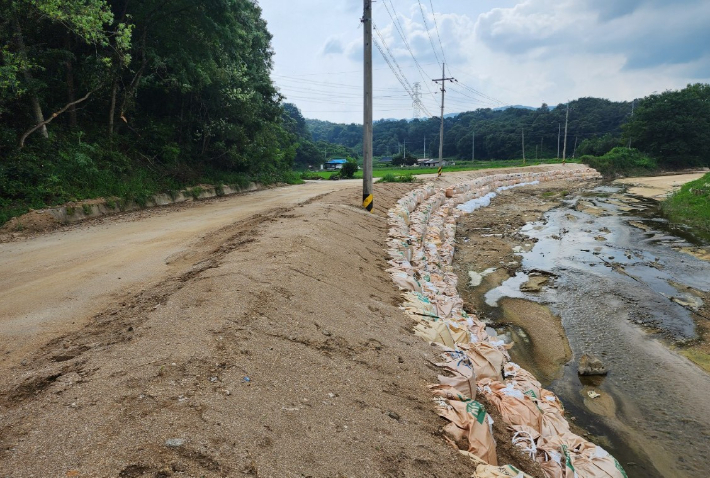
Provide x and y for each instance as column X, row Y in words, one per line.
column 367, row 199
column 564, row 149
column 443, row 80
column 559, row 131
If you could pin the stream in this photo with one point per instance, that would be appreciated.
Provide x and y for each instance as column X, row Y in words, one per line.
column 627, row 294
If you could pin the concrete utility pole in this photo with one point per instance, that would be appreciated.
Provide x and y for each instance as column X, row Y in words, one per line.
column 523, row 147
column 564, row 149
column 367, row 199
column 424, row 147
column 404, row 155
column 559, row 131
column 633, row 102
column 443, row 80
column 574, row 151
column 473, row 145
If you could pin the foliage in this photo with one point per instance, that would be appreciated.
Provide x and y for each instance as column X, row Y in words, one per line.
column 179, row 92
column 598, row 146
column 406, row 159
column 691, row 205
column 674, row 127
column 497, row 132
column 621, row 161
column 349, row 169
column 404, row 178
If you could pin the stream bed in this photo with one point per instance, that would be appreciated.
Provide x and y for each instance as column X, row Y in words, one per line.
column 617, row 276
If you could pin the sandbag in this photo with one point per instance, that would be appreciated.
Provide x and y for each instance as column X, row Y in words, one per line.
column 515, row 407
column 470, row 420
column 490, row 471
column 487, row 360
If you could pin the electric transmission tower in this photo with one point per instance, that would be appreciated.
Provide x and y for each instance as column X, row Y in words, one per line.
column 417, row 102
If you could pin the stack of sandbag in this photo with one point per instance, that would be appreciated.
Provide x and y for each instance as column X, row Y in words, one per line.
column 422, row 228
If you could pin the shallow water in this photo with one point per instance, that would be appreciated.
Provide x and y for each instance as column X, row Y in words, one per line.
column 613, row 288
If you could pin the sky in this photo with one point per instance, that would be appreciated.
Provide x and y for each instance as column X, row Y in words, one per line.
column 500, row 52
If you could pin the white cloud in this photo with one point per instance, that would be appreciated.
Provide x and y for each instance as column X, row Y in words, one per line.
column 521, row 52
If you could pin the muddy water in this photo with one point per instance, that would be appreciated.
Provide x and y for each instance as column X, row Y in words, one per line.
column 625, row 293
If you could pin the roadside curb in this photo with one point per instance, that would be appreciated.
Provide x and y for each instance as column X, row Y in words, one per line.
column 78, row 211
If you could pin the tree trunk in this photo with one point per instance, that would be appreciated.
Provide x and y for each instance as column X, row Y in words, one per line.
column 71, row 95
column 36, row 108
column 112, row 113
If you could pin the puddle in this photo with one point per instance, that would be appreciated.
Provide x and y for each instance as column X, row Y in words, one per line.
column 624, row 287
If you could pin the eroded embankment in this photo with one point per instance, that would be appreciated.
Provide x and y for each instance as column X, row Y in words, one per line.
column 476, row 365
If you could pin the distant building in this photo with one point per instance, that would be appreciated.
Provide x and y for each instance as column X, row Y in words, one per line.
column 386, row 159
column 334, row 164
column 430, row 163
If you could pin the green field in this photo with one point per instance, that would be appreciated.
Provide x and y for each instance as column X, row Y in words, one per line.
column 379, row 171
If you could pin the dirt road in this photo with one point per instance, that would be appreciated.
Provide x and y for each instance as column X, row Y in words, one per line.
column 267, row 343
column 53, row 283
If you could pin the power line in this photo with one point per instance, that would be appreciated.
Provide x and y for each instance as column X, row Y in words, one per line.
column 398, row 73
column 437, row 32
column 398, row 26
column 426, row 26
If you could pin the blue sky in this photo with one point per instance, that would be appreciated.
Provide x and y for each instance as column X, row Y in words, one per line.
column 501, row 52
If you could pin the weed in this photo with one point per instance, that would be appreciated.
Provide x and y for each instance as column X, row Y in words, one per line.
column 391, row 178
column 195, row 192
column 110, row 203
column 86, row 209
column 219, row 190
column 19, row 226
column 71, row 210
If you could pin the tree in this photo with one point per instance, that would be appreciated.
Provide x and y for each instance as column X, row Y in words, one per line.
column 349, row 169
column 673, row 126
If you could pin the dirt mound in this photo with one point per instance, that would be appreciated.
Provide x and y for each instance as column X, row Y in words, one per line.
column 32, row 222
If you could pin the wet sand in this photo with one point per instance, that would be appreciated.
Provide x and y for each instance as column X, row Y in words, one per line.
column 658, row 187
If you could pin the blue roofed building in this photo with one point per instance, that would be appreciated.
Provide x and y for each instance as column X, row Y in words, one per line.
column 334, row 164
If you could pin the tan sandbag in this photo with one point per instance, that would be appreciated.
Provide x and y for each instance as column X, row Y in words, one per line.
column 552, row 421
column 590, row 460
column 490, row 471
column 441, row 332
column 462, row 376
column 524, row 380
column 471, row 417
column 515, row 407
column 448, row 392
column 555, row 456
column 406, row 282
column 487, row 360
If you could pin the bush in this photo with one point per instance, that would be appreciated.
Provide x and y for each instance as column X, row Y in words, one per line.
column 349, row 169
column 621, row 161
column 391, row 178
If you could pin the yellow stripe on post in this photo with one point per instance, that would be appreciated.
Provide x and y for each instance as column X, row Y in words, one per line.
column 367, row 202
column 440, row 168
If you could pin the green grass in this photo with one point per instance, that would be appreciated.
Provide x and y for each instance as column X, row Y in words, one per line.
column 691, row 205
column 381, row 171
column 404, row 178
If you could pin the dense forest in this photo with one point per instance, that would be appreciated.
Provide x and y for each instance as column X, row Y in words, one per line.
column 671, row 129
column 119, row 97
column 497, row 134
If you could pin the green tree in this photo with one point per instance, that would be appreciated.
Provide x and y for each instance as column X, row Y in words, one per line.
column 674, row 127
